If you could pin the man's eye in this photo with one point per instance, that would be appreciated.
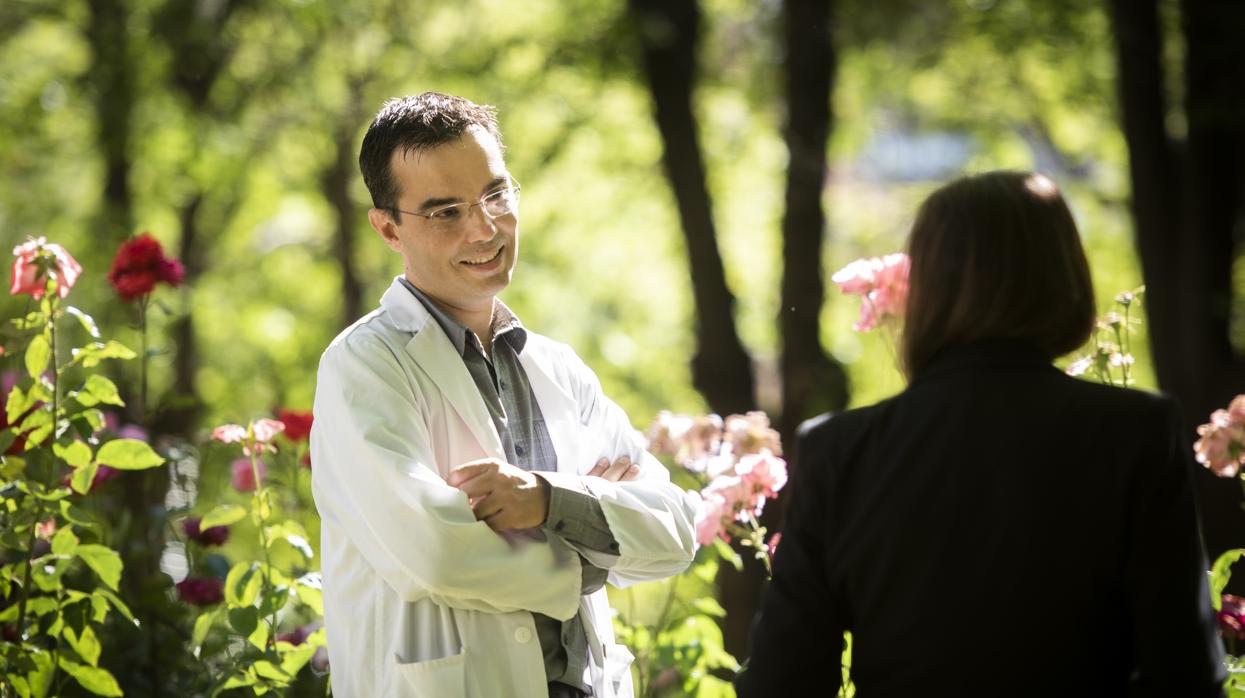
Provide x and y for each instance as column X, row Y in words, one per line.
column 445, row 214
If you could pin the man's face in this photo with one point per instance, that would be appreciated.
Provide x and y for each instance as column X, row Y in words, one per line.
column 462, row 265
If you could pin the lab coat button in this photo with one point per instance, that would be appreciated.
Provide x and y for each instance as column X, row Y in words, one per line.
column 523, row 636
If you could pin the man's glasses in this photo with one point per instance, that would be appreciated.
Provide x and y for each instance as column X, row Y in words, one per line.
column 494, row 204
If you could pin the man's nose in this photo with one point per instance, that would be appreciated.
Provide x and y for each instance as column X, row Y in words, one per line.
column 479, row 225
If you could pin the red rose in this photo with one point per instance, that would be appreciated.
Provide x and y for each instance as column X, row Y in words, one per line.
column 201, row 591
column 215, row 535
column 297, row 424
column 140, row 264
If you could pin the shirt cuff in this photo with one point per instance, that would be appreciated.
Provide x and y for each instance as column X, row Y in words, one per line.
column 576, row 516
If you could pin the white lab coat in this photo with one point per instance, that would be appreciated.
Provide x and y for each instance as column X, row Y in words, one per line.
column 421, row 599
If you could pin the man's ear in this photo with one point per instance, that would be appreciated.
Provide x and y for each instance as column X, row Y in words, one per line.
column 384, row 226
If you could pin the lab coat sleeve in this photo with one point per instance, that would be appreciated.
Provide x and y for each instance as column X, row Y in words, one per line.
column 374, row 475
column 651, row 518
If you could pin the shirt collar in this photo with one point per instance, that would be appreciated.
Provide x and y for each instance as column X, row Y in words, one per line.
column 505, row 323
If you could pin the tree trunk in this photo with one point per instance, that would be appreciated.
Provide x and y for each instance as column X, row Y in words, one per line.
column 1186, row 202
column 113, row 94
column 721, row 366
column 335, row 184
column 812, row 382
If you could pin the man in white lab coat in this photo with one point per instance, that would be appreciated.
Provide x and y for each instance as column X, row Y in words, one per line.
column 476, row 488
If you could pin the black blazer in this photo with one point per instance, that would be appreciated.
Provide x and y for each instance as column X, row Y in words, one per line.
column 997, row 529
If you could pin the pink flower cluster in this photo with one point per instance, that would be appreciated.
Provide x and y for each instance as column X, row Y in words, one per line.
column 739, row 455
column 881, row 283
column 255, row 438
column 1221, row 442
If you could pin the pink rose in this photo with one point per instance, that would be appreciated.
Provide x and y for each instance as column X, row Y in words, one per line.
column 857, row 278
column 763, row 473
column 751, row 433
column 229, row 433
column 243, row 476
column 265, row 430
column 28, row 275
column 1221, row 443
column 201, row 591
column 711, row 522
column 882, row 284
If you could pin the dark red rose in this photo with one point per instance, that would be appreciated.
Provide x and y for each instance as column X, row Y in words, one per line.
column 201, row 591
column 297, row 424
column 1232, row 617
column 297, row 636
column 140, row 264
column 215, row 535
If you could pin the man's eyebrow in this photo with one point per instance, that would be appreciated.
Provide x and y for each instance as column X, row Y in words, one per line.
column 493, row 184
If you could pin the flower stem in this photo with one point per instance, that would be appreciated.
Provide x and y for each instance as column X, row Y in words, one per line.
column 263, row 538
column 142, row 333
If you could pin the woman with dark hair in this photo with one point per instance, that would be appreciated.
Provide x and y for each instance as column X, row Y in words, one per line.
column 998, row 528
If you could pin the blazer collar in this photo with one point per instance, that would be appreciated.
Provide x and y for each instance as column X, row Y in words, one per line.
column 1007, row 353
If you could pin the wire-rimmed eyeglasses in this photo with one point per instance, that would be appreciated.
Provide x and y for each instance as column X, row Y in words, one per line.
column 495, row 204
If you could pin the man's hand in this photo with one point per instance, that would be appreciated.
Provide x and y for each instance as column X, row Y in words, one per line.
column 622, row 470
column 502, row 495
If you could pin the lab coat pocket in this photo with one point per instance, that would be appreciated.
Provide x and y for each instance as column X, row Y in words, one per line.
column 436, row 678
column 618, row 670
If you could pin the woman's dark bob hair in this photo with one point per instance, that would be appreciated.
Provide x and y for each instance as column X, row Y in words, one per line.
column 994, row 256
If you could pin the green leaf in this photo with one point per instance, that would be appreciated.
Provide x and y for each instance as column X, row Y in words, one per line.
column 76, row 454
column 1221, row 573
column 709, row 606
column 82, row 478
column 244, row 620
column 39, row 679
column 294, row 658
column 17, row 403
column 128, row 454
column 104, row 561
column 203, row 625
column 90, row 355
column 88, row 322
column 64, row 542
column 241, row 585
column 102, row 390
column 38, row 354
column 99, row 609
column 309, row 590
column 268, row 670
column 726, row 552
column 223, row 515
column 93, row 679
column 259, row 636
column 118, row 604
column 7, row 437
column 86, row 645
column 77, row 515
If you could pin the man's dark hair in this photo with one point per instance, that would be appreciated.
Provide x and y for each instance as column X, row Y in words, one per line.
column 994, row 256
column 415, row 123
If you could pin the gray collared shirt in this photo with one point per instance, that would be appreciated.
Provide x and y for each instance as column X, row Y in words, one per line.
column 575, row 516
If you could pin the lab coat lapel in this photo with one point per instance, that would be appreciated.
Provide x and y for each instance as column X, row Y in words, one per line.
column 556, row 406
column 432, row 350
column 434, row 353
